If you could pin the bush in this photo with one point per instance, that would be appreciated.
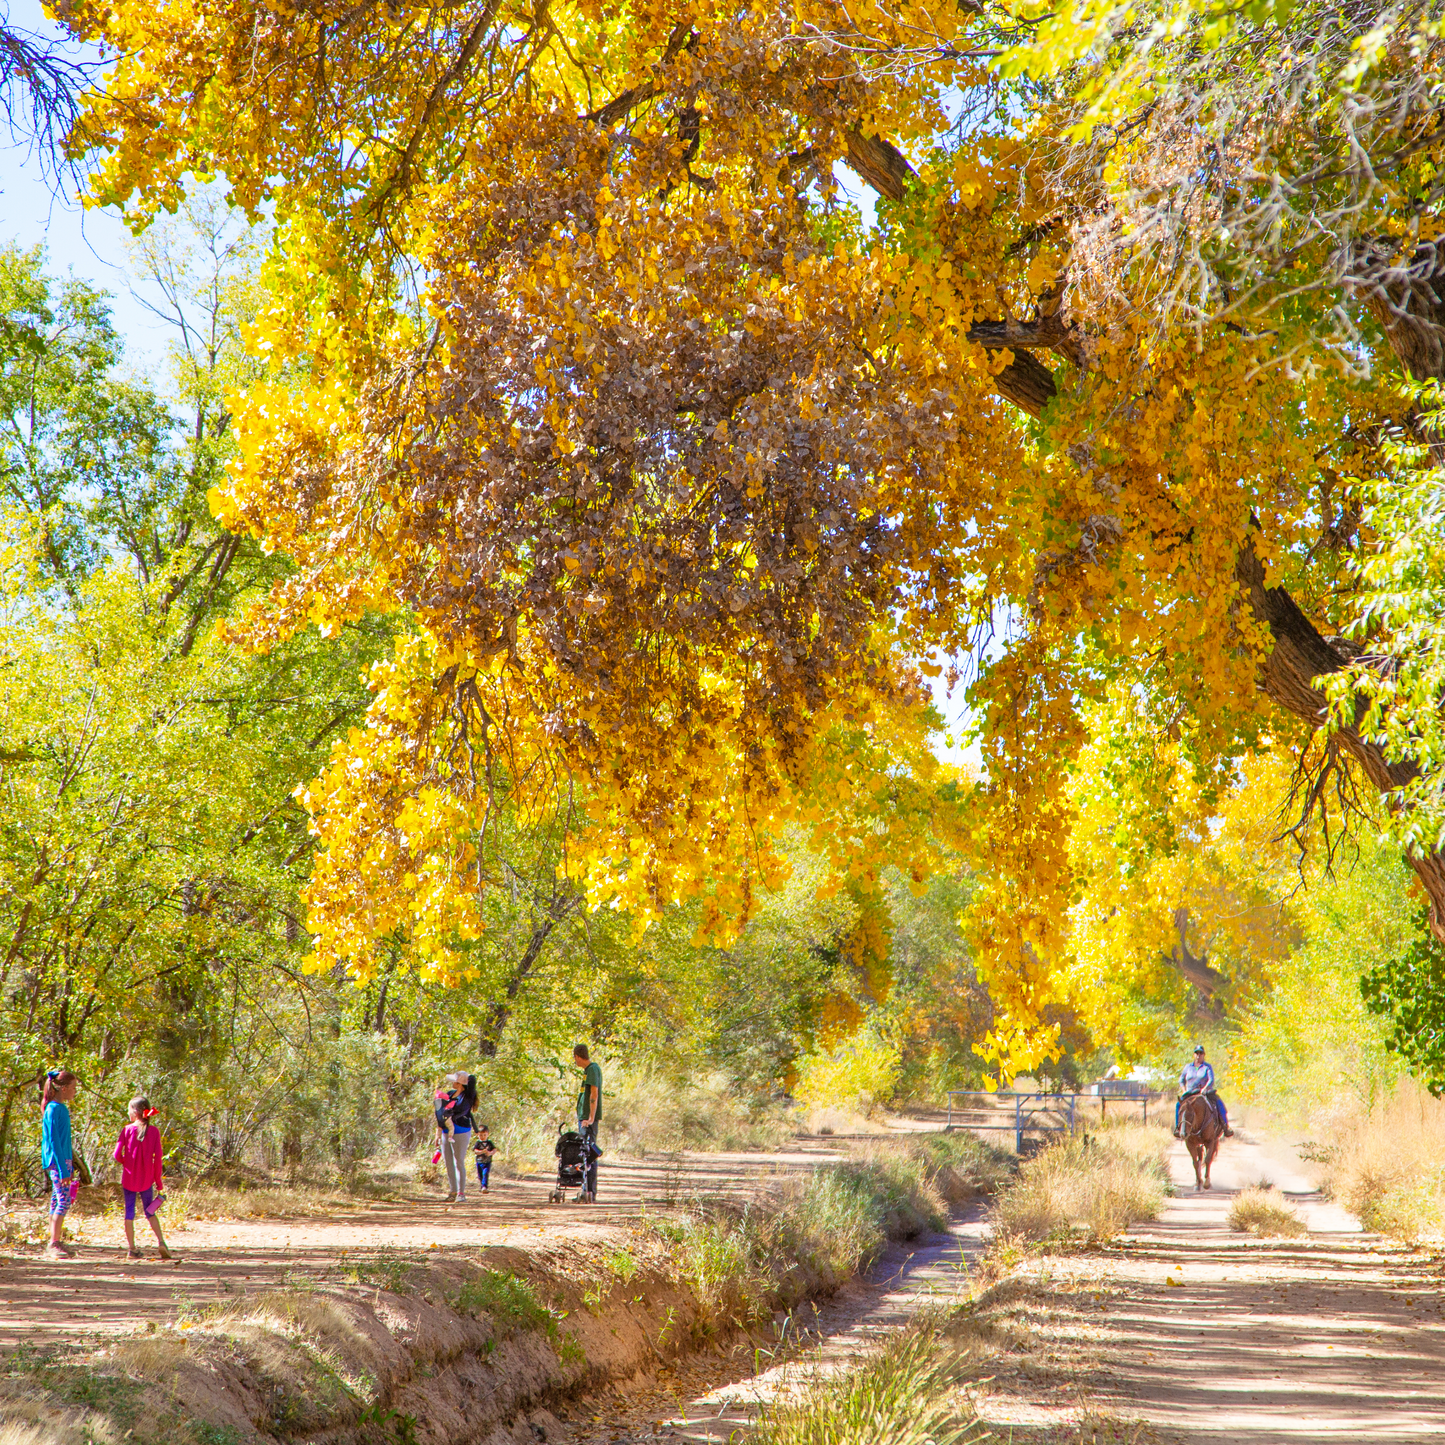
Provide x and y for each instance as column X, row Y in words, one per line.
column 856, row 1076
column 649, row 1112
column 1095, row 1185
column 1265, row 1212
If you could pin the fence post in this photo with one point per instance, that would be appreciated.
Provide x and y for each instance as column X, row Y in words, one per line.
column 1146, row 1108
column 1018, row 1124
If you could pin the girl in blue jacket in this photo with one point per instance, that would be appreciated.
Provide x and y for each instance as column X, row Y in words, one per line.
column 57, row 1153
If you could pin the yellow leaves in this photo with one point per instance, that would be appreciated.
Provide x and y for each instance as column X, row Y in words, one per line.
column 1043, row 271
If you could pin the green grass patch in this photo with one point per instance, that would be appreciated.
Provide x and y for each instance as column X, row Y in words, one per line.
column 510, row 1302
column 386, row 1270
column 906, row 1394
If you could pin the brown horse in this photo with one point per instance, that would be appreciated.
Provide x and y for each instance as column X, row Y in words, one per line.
column 1202, row 1132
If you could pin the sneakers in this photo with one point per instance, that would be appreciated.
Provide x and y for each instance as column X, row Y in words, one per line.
column 1229, row 1133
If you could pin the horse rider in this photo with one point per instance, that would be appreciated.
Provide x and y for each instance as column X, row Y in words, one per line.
column 1198, row 1078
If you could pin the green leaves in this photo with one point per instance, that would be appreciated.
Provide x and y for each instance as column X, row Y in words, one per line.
column 1410, row 992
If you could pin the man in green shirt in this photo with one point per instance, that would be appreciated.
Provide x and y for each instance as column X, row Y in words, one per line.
column 589, row 1116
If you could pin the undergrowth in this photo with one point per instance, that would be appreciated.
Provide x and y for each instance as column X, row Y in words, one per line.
column 1265, row 1212
column 1386, row 1165
column 812, row 1234
column 1082, row 1190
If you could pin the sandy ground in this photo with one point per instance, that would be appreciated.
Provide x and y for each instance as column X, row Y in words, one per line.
column 100, row 1292
column 1218, row 1337
column 1206, row 1337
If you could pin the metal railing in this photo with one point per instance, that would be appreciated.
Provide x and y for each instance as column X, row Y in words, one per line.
column 1032, row 1113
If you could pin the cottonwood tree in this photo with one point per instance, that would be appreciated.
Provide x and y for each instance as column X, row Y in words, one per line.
column 684, row 474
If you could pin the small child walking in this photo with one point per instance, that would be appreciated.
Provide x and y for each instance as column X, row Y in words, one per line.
column 138, row 1151
column 484, row 1149
column 57, row 1153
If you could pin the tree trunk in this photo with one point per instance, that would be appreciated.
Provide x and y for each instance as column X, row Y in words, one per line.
column 559, row 910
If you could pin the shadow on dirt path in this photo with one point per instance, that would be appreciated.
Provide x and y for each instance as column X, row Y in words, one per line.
column 1215, row 1337
column 100, row 1292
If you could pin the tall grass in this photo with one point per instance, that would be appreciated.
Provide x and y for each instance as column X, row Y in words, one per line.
column 906, row 1394
column 1265, row 1212
column 814, row 1233
column 1093, row 1186
column 1386, row 1164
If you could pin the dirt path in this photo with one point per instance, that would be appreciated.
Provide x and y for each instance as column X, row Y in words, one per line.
column 99, row 1292
column 1184, row 1334
column 1216, row 1338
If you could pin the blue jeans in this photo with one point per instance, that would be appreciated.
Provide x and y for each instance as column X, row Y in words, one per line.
column 484, row 1169
column 1213, row 1099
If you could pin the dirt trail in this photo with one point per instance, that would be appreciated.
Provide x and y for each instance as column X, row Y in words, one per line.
column 1217, row 1338
column 100, row 1292
column 1335, row 1335
column 1195, row 1334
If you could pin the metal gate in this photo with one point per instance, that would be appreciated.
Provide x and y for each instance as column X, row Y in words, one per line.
column 1018, row 1114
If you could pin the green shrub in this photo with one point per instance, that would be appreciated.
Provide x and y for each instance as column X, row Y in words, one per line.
column 509, row 1301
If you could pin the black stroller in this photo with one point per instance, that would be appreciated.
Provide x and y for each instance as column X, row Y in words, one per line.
column 574, row 1153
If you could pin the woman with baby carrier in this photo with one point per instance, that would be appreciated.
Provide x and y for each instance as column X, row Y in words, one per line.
column 454, row 1106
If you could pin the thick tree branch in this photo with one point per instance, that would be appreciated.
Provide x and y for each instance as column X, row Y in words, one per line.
column 1412, row 310
column 683, row 37
column 1301, row 654
column 1025, row 381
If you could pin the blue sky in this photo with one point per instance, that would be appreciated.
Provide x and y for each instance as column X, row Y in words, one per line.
column 91, row 243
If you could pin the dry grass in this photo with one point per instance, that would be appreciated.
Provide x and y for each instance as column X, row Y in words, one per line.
column 1387, row 1164
column 1091, row 1187
column 1265, row 1212
column 904, row 1395
column 650, row 1113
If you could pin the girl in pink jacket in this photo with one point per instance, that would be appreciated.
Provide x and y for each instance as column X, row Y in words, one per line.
column 138, row 1151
